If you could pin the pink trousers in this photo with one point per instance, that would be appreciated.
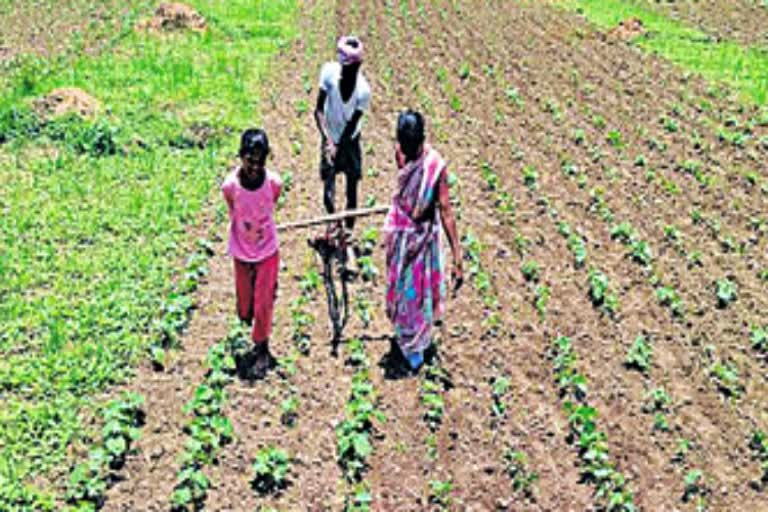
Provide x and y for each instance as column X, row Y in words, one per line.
column 255, row 285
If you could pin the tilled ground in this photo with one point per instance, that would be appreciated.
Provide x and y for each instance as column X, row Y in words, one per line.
column 45, row 28
column 568, row 81
column 745, row 21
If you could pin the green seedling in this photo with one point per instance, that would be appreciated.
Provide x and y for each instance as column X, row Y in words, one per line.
column 270, row 468
column 500, row 388
column 639, row 355
column 523, row 480
column 531, row 270
column 440, row 493
column 726, row 292
column 759, row 338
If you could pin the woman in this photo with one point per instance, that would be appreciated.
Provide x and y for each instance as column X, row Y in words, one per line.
column 415, row 267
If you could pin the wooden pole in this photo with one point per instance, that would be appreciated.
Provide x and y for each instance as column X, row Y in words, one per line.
column 334, row 217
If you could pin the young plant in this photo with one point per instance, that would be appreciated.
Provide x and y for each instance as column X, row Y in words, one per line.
column 669, row 297
column 440, row 493
column 500, row 387
column 360, row 500
column 759, row 338
column 600, row 293
column 523, row 480
column 531, row 270
column 726, row 376
column 640, row 252
column 542, row 293
column 658, row 404
column 289, row 411
column 726, row 292
column 759, row 446
column 694, row 485
column 639, row 355
column 530, row 177
column 270, row 468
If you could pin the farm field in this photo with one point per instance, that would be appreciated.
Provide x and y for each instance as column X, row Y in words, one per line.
column 608, row 351
column 745, row 21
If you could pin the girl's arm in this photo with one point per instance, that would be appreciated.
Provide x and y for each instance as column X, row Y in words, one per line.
column 226, row 190
column 277, row 186
column 449, row 225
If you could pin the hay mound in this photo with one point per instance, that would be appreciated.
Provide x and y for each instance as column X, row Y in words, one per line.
column 66, row 100
column 174, row 16
column 627, row 30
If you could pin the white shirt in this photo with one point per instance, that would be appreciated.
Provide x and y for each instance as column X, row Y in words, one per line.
column 337, row 112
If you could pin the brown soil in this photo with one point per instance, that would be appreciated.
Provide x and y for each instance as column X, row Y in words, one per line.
column 745, row 21
column 67, row 100
column 174, row 16
column 45, row 27
column 627, row 30
column 566, row 82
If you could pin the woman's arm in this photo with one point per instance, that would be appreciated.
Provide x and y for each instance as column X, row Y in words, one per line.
column 449, row 225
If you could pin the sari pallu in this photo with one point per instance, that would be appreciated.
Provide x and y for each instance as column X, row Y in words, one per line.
column 415, row 263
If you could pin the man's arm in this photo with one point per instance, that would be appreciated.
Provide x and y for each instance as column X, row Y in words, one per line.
column 322, row 125
column 349, row 130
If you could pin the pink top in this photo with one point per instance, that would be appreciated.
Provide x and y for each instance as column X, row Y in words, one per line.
column 252, row 232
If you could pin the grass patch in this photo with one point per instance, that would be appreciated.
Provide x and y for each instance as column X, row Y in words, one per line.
column 746, row 69
column 96, row 213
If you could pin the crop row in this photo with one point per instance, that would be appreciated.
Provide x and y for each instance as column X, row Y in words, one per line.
column 209, row 429
column 611, row 487
column 354, row 433
column 175, row 310
column 723, row 373
column 89, row 480
column 481, row 280
column 302, row 319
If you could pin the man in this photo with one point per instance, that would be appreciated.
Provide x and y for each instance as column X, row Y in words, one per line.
column 343, row 98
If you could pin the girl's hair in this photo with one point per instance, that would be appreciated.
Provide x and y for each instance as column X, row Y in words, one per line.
column 410, row 133
column 255, row 142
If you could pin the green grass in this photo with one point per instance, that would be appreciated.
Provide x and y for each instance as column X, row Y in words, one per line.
column 746, row 69
column 97, row 213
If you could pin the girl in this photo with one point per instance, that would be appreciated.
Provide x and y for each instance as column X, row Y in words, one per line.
column 251, row 193
column 421, row 207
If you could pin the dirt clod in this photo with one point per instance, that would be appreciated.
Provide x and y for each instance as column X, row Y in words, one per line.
column 174, row 16
column 66, row 100
column 627, row 30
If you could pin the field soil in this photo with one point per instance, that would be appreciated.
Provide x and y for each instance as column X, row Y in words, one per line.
column 45, row 28
column 545, row 93
column 744, row 21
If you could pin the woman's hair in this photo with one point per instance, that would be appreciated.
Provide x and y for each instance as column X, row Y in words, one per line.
column 255, row 142
column 410, row 133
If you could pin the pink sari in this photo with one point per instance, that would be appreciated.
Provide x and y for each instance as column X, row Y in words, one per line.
column 415, row 264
